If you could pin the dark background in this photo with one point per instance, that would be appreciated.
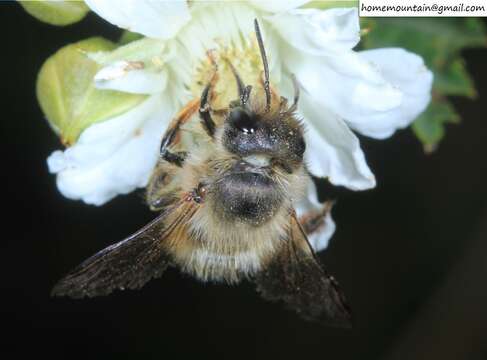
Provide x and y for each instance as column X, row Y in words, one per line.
column 411, row 254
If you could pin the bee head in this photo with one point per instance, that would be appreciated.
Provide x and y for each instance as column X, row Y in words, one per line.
column 255, row 128
column 277, row 135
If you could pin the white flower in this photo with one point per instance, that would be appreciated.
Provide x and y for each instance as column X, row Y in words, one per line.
column 372, row 92
column 310, row 205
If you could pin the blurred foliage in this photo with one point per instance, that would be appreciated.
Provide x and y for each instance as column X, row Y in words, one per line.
column 440, row 42
column 56, row 12
column 67, row 95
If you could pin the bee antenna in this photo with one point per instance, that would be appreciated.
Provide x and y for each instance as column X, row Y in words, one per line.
column 294, row 106
column 266, row 66
column 240, row 84
column 246, row 94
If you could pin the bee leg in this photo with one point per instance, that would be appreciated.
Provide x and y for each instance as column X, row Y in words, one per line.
column 204, row 111
column 164, row 183
column 170, row 137
column 174, row 158
column 314, row 220
column 171, row 157
column 163, row 186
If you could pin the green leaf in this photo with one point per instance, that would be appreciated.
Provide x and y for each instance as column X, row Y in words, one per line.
column 440, row 42
column 56, row 12
column 328, row 4
column 66, row 92
column 435, row 39
column 429, row 127
column 128, row 37
column 455, row 80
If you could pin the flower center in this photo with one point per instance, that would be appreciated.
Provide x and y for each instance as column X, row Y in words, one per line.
column 216, row 68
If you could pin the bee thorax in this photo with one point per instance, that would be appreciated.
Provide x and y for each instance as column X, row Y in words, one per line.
column 246, row 196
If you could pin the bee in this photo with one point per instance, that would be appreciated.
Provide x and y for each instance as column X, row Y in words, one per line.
column 225, row 186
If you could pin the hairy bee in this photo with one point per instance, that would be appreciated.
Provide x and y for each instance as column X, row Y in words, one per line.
column 225, row 185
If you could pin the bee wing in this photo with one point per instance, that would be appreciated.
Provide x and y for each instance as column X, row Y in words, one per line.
column 294, row 276
column 132, row 262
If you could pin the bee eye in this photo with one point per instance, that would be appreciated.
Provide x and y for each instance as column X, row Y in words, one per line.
column 243, row 121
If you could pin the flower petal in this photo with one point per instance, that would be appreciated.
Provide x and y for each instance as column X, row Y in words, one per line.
column 129, row 77
column 214, row 23
column 113, row 157
column 146, row 50
column 278, row 5
column 157, row 19
column 332, row 150
column 345, row 83
column 319, row 239
column 318, row 32
column 406, row 72
column 142, row 66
